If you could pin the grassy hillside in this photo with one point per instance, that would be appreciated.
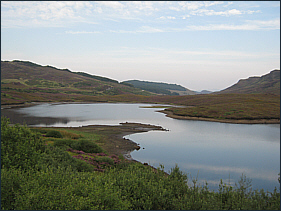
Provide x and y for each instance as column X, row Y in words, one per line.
column 269, row 83
column 161, row 88
column 23, row 81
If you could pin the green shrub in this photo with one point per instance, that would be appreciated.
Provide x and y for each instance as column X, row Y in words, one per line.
column 11, row 180
column 61, row 189
column 81, row 145
column 64, row 142
column 20, row 147
column 105, row 160
column 40, row 130
column 54, row 134
column 58, row 158
column 86, row 146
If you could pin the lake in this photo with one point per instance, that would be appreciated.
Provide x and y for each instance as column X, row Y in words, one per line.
column 208, row 151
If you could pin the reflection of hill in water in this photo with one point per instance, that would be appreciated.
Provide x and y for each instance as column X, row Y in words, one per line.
column 20, row 118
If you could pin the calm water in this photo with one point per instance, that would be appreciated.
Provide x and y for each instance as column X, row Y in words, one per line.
column 209, row 151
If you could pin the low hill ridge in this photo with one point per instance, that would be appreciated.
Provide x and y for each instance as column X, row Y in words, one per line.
column 160, row 87
column 26, row 81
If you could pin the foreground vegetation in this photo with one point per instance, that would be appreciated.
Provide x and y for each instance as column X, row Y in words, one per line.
column 62, row 169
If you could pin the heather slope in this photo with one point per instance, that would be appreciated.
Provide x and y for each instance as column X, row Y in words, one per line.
column 24, row 81
column 160, row 87
column 269, row 83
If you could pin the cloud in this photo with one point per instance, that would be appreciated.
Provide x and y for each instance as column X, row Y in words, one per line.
column 191, row 5
column 248, row 26
column 72, row 13
column 143, row 5
column 111, row 4
column 126, row 10
column 143, row 29
column 209, row 3
column 69, row 10
column 228, row 4
column 202, row 12
column 268, row 24
column 82, row 32
column 167, row 17
column 42, row 13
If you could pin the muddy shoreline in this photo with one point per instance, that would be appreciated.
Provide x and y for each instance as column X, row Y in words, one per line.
column 113, row 140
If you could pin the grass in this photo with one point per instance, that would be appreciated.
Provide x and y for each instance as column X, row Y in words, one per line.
column 236, row 111
column 227, row 106
column 84, row 146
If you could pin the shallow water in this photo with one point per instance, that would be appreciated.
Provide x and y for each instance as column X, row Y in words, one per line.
column 209, row 151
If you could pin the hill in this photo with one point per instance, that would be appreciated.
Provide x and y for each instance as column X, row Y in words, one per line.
column 24, row 81
column 204, row 92
column 160, row 88
column 266, row 84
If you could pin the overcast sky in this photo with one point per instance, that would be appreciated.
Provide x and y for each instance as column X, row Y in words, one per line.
column 199, row 45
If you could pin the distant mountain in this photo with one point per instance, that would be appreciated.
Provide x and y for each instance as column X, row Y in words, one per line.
column 160, row 87
column 23, row 81
column 269, row 83
column 204, row 92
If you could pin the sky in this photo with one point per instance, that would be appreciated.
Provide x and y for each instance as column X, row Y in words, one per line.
column 201, row 45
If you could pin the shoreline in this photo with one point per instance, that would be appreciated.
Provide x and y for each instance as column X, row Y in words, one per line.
column 232, row 121
column 139, row 128
column 114, row 140
column 167, row 114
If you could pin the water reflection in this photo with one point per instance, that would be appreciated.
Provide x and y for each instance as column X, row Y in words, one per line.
column 22, row 118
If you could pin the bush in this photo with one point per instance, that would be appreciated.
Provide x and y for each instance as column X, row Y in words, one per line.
column 81, row 145
column 107, row 160
column 54, row 134
column 70, row 135
column 59, row 189
column 64, row 142
column 58, row 158
column 20, row 147
column 86, row 146
column 11, row 180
